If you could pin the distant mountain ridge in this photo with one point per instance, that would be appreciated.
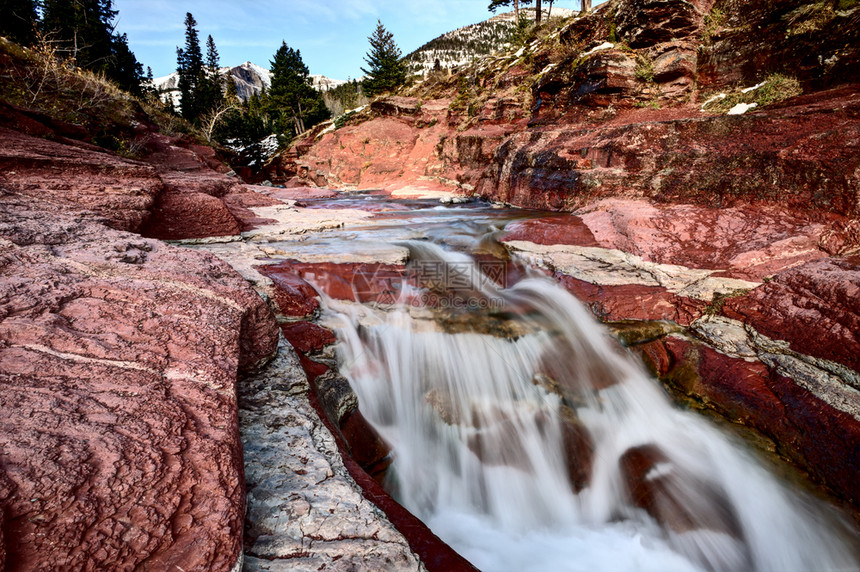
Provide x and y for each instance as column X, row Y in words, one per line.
column 250, row 79
column 462, row 45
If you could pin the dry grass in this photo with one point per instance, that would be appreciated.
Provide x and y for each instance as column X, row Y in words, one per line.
column 777, row 87
column 39, row 79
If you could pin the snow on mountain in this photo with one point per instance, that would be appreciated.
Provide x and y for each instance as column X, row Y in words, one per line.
column 463, row 45
column 323, row 83
column 248, row 77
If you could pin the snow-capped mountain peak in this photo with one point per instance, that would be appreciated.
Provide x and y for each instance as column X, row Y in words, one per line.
column 248, row 77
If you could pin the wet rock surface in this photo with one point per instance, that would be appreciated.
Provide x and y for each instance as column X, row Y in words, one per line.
column 771, row 312
column 815, row 307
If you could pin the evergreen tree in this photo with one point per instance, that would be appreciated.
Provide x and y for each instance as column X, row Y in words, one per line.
column 124, row 68
column 18, row 20
column 387, row 71
column 293, row 105
column 212, row 59
column 84, row 31
column 210, row 92
column 189, row 66
column 232, row 92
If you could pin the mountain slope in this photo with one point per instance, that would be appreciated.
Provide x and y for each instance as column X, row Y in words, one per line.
column 463, row 45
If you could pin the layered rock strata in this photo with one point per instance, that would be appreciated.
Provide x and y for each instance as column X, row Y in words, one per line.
column 755, row 318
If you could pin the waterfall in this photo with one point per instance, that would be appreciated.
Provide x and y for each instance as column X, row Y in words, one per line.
column 550, row 448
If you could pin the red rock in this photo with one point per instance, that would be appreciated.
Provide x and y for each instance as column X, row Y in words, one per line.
column 604, row 77
column 178, row 215
column 307, row 336
column 199, row 200
column 78, row 177
column 240, row 205
column 366, row 446
column 737, row 388
column 655, row 356
column 802, row 157
column 363, row 282
column 647, row 22
column 658, row 486
column 822, row 440
column 815, row 307
column 744, row 242
column 435, row 554
column 826, row 442
column 299, row 193
column 561, row 229
column 578, row 452
column 118, row 363
column 293, row 296
column 312, row 368
column 781, row 43
column 397, row 106
column 633, row 302
column 391, row 150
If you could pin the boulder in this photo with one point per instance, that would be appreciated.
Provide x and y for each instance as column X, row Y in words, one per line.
column 180, row 215
column 394, row 105
column 607, row 74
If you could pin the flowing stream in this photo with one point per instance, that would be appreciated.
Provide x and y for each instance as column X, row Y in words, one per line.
column 529, row 440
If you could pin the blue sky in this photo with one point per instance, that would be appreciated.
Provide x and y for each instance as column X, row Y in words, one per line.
column 331, row 34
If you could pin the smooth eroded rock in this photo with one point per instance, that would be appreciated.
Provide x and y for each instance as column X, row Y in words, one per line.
column 119, row 358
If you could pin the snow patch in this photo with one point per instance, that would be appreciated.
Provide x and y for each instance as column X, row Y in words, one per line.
column 741, row 108
column 753, row 88
column 601, row 47
column 718, row 97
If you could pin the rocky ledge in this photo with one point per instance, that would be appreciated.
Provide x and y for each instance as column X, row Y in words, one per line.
column 743, row 311
column 119, row 359
column 305, row 512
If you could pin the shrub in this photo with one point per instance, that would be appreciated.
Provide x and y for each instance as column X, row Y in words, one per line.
column 778, row 88
column 644, row 69
column 713, row 22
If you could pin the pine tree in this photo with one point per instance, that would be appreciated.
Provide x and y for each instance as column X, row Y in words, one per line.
column 124, row 68
column 84, row 31
column 210, row 91
column 18, row 22
column 212, row 59
column 189, row 66
column 292, row 103
column 387, row 70
column 232, row 93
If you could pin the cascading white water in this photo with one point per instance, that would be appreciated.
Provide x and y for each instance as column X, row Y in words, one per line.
column 554, row 450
